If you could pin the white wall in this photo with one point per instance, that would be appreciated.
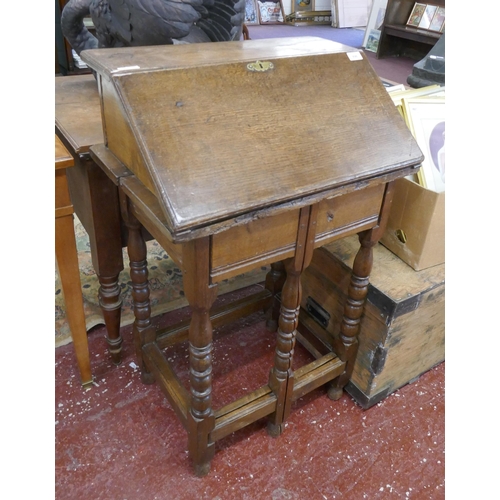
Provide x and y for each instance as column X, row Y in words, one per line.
column 353, row 13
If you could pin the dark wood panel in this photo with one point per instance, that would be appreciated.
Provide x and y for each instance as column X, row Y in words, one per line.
column 397, row 39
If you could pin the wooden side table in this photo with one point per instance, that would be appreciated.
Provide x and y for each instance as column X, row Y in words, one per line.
column 67, row 261
column 95, row 198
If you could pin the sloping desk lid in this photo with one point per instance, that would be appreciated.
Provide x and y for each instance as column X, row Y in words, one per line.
column 217, row 130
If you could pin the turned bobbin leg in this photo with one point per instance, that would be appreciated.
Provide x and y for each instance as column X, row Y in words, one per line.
column 275, row 280
column 96, row 202
column 200, row 295
column 111, row 304
column 143, row 330
column 281, row 378
column 353, row 309
column 347, row 347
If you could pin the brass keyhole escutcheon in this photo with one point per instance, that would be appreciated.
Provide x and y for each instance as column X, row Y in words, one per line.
column 260, row 66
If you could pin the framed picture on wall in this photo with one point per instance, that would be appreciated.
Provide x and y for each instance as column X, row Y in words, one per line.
column 271, row 12
column 425, row 117
column 251, row 12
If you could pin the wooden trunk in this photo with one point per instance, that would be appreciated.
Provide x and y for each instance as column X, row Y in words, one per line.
column 402, row 330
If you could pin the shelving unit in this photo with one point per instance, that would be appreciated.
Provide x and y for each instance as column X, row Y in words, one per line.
column 398, row 39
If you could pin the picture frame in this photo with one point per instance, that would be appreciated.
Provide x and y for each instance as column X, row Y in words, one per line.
column 427, row 16
column 437, row 23
column 271, row 12
column 303, row 5
column 398, row 87
column 310, row 18
column 251, row 13
column 375, row 21
column 416, row 14
column 425, row 118
column 373, row 41
column 429, row 90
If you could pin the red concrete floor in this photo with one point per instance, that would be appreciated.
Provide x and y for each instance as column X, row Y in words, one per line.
column 121, row 440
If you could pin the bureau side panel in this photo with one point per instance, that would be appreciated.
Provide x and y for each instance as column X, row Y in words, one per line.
column 118, row 135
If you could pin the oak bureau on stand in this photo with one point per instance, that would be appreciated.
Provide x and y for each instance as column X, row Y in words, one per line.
column 243, row 154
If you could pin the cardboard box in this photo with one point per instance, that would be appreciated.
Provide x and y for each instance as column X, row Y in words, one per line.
column 416, row 228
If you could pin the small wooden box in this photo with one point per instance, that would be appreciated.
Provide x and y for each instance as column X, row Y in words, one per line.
column 402, row 329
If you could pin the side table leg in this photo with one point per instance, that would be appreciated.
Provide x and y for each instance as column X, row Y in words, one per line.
column 96, row 203
column 111, row 304
column 201, row 295
column 69, row 273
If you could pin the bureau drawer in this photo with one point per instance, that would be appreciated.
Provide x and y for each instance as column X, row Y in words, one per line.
column 348, row 214
column 259, row 242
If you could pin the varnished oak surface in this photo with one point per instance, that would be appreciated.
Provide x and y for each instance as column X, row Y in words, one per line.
column 213, row 139
column 62, row 157
column 145, row 59
column 78, row 111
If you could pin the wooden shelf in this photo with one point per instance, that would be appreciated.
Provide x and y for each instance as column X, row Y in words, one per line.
column 424, row 36
column 398, row 39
